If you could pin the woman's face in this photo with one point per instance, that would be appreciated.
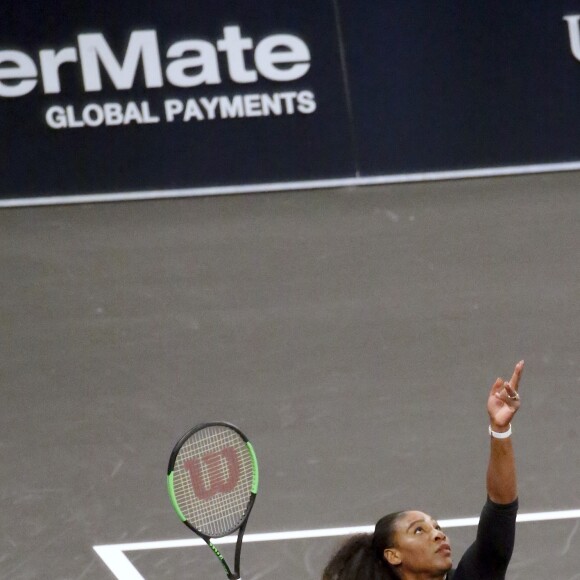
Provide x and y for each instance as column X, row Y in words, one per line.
column 420, row 546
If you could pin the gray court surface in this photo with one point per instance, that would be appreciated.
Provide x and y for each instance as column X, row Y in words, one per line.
column 352, row 333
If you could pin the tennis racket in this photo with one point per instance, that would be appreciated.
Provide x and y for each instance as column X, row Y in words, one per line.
column 212, row 481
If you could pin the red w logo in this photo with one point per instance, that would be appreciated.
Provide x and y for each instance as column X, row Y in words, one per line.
column 217, row 472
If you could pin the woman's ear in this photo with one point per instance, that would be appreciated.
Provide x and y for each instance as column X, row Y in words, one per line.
column 392, row 556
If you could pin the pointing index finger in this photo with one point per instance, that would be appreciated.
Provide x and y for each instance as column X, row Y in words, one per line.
column 515, row 380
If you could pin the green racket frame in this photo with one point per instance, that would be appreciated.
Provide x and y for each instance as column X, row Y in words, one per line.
column 235, row 575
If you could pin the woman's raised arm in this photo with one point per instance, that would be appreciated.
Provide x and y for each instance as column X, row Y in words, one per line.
column 502, row 404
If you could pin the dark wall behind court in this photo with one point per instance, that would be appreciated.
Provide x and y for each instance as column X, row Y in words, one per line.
column 140, row 96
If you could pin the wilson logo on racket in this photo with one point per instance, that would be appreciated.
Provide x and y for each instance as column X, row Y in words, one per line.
column 213, row 473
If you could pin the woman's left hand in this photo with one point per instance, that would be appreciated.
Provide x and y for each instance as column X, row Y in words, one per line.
column 504, row 400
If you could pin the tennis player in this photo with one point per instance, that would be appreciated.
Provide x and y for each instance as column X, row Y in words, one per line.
column 410, row 545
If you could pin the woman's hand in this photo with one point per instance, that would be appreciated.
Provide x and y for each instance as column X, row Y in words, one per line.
column 504, row 400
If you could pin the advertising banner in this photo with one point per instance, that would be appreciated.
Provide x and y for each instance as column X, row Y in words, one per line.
column 111, row 96
column 442, row 86
column 155, row 99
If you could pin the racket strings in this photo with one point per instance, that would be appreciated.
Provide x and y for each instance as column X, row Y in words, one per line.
column 218, row 455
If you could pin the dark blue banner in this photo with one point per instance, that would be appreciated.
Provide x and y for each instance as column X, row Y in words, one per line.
column 445, row 85
column 186, row 97
column 124, row 96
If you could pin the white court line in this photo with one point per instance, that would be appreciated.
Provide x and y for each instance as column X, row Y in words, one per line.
column 115, row 558
column 293, row 185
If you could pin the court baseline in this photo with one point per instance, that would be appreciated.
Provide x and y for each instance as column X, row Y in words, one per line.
column 115, row 559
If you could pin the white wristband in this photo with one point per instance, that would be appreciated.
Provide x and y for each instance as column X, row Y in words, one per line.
column 504, row 435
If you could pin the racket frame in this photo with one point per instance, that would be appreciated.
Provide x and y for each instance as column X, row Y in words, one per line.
column 241, row 528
